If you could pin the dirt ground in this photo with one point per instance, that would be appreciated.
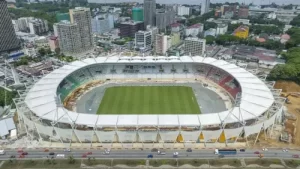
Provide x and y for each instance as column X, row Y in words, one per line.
column 287, row 86
column 292, row 126
column 293, row 108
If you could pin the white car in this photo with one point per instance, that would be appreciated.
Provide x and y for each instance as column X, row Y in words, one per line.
column 106, row 152
column 264, row 149
column 67, row 150
column 285, row 150
column 161, row 153
column 60, row 156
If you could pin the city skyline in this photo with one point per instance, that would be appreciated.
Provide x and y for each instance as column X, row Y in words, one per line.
column 197, row 2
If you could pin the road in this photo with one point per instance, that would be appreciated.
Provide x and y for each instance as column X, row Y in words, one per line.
column 142, row 154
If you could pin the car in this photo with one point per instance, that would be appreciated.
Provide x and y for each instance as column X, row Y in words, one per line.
column 20, row 150
column 256, row 152
column 264, row 149
column 161, row 153
column 106, row 152
column 285, row 150
column 84, row 155
column 21, row 156
column 67, row 150
column 12, row 156
column 24, row 153
column 46, row 150
column 175, row 154
column 242, row 150
column 150, row 156
column 60, row 156
column 189, row 150
column 221, row 156
column 89, row 153
column 295, row 156
column 52, row 153
column 154, row 150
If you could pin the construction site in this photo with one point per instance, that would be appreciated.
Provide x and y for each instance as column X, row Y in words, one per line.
column 287, row 134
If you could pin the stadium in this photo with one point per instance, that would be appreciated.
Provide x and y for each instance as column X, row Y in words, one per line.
column 133, row 100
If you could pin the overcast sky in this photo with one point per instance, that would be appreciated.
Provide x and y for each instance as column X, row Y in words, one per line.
column 258, row 2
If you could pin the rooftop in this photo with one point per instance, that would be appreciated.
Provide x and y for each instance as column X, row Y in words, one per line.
column 198, row 25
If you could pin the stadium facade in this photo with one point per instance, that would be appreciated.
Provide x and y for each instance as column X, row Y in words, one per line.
column 43, row 112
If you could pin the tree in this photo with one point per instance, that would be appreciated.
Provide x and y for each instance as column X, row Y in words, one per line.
column 210, row 39
column 208, row 25
column 42, row 51
column 71, row 160
column 289, row 71
column 57, row 51
column 48, row 51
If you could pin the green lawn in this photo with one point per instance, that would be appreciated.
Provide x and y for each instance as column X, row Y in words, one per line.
column 149, row 100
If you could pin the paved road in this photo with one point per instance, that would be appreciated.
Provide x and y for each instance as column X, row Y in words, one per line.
column 141, row 154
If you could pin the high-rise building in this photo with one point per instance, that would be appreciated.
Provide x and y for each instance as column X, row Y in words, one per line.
column 149, row 12
column 205, row 6
column 53, row 43
column 62, row 17
column 143, row 40
column 82, row 17
column 162, row 44
column 128, row 29
column 8, row 38
column 69, row 37
column 194, row 46
column 164, row 18
column 153, row 31
column 243, row 12
column 183, row 10
column 100, row 25
column 137, row 14
column 38, row 26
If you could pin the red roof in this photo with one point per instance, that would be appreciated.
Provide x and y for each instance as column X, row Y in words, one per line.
column 53, row 37
column 285, row 37
column 198, row 25
column 175, row 25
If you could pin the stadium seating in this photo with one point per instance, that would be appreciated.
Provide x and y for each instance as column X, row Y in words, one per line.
column 97, row 71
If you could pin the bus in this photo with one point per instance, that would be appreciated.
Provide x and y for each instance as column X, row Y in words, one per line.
column 225, row 151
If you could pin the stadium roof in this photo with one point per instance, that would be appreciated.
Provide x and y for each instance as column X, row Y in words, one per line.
column 256, row 99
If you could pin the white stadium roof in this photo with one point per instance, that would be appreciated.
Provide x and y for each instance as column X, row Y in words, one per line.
column 256, row 99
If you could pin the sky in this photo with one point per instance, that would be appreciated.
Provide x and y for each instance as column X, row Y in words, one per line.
column 193, row 2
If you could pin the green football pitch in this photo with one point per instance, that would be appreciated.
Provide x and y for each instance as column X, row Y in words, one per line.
column 149, row 100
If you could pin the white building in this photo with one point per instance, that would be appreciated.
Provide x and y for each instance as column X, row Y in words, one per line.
column 154, row 31
column 205, row 6
column 271, row 15
column 183, row 10
column 162, row 44
column 194, row 46
column 100, row 25
column 38, row 26
column 143, row 40
column 32, row 25
column 29, row 50
column 16, row 28
column 69, row 38
column 23, row 23
column 194, row 30
column 211, row 32
column 222, row 29
column 111, row 22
